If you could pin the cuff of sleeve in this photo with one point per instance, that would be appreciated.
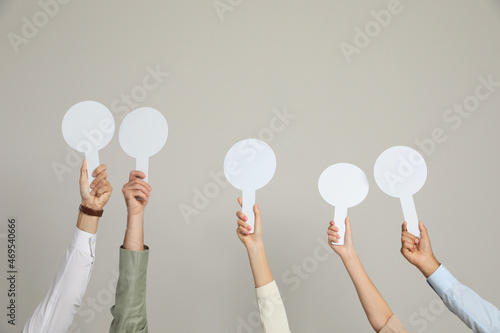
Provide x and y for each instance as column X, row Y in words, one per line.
column 441, row 280
column 266, row 290
column 393, row 325
column 84, row 242
column 134, row 261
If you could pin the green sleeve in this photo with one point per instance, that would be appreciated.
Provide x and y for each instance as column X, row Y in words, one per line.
column 129, row 311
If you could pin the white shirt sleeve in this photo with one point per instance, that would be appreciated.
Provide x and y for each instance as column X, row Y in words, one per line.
column 480, row 315
column 55, row 313
column 272, row 310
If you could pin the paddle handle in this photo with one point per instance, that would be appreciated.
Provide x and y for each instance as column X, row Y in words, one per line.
column 92, row 158
column 339, row 219
column 142, row 164
column 410, row 215
column 248, row 198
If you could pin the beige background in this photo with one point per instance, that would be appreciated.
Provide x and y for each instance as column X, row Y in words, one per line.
column 226, row 76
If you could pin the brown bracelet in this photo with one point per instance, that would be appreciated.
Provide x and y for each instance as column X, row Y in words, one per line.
column 90, row 212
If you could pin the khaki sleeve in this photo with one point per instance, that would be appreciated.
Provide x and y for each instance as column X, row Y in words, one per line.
column 393, row 325
column 129, row 311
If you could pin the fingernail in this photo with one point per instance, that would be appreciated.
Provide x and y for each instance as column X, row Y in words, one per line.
column 92, row 185
column 92, row 193
column 245, row 218
column 257, row 205
column 249, row 228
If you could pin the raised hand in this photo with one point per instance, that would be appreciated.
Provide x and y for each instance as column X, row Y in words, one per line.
column 333, row 236
column 136, row 193
column 418, row 251
column 243, row 229
column 100, row 188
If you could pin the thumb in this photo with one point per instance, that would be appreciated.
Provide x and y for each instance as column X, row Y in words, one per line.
column 347, row 225
column 258, row 222
column 83, row 173
column 423, row 231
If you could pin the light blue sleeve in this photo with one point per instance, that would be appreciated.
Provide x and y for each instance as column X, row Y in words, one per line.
column 480, row 315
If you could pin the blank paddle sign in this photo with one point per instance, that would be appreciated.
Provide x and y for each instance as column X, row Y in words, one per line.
column 249, row 165
column 143, row 133
column 88, row 127
column 343, row 185
column 401, row 172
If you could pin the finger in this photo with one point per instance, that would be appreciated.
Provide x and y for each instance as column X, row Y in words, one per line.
column 100, row 176
column 334, row 228
column 102, row 190
column 347, row 225
column 83, row 173
column 408, row 245
column 97, row 185
column 333, row 233
column 136, row 174
column 423, row 230
column 139, row 194
column 83, row 169
column 407, row 239
column 128, row 188
column 332, row 239
column 138, row 185
column 243, row 224
column 404, row 227
column 241, row 216
column 409, row 235
column 332, row 223
column 99, row 169
column 242, row 230
column 258, row 222
column 141, row 182
column 240, row 201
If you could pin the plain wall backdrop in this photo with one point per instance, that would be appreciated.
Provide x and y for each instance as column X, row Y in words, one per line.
column 232, row 69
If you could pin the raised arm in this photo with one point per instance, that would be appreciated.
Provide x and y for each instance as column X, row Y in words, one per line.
column 376, row 308
column 129, row 311
column 272, row 311
column 478, row 314
column 56, row 312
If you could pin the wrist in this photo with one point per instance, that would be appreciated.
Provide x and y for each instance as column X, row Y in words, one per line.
column 348, row 254
column 255, row 248
column 91, row 205
column 429, row 267
column 87, row 223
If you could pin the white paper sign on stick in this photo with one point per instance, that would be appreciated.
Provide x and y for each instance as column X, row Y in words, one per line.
column 88, row 127
column 249, row 165
column 343, row 185
column 143, row 133
column 401, row 172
